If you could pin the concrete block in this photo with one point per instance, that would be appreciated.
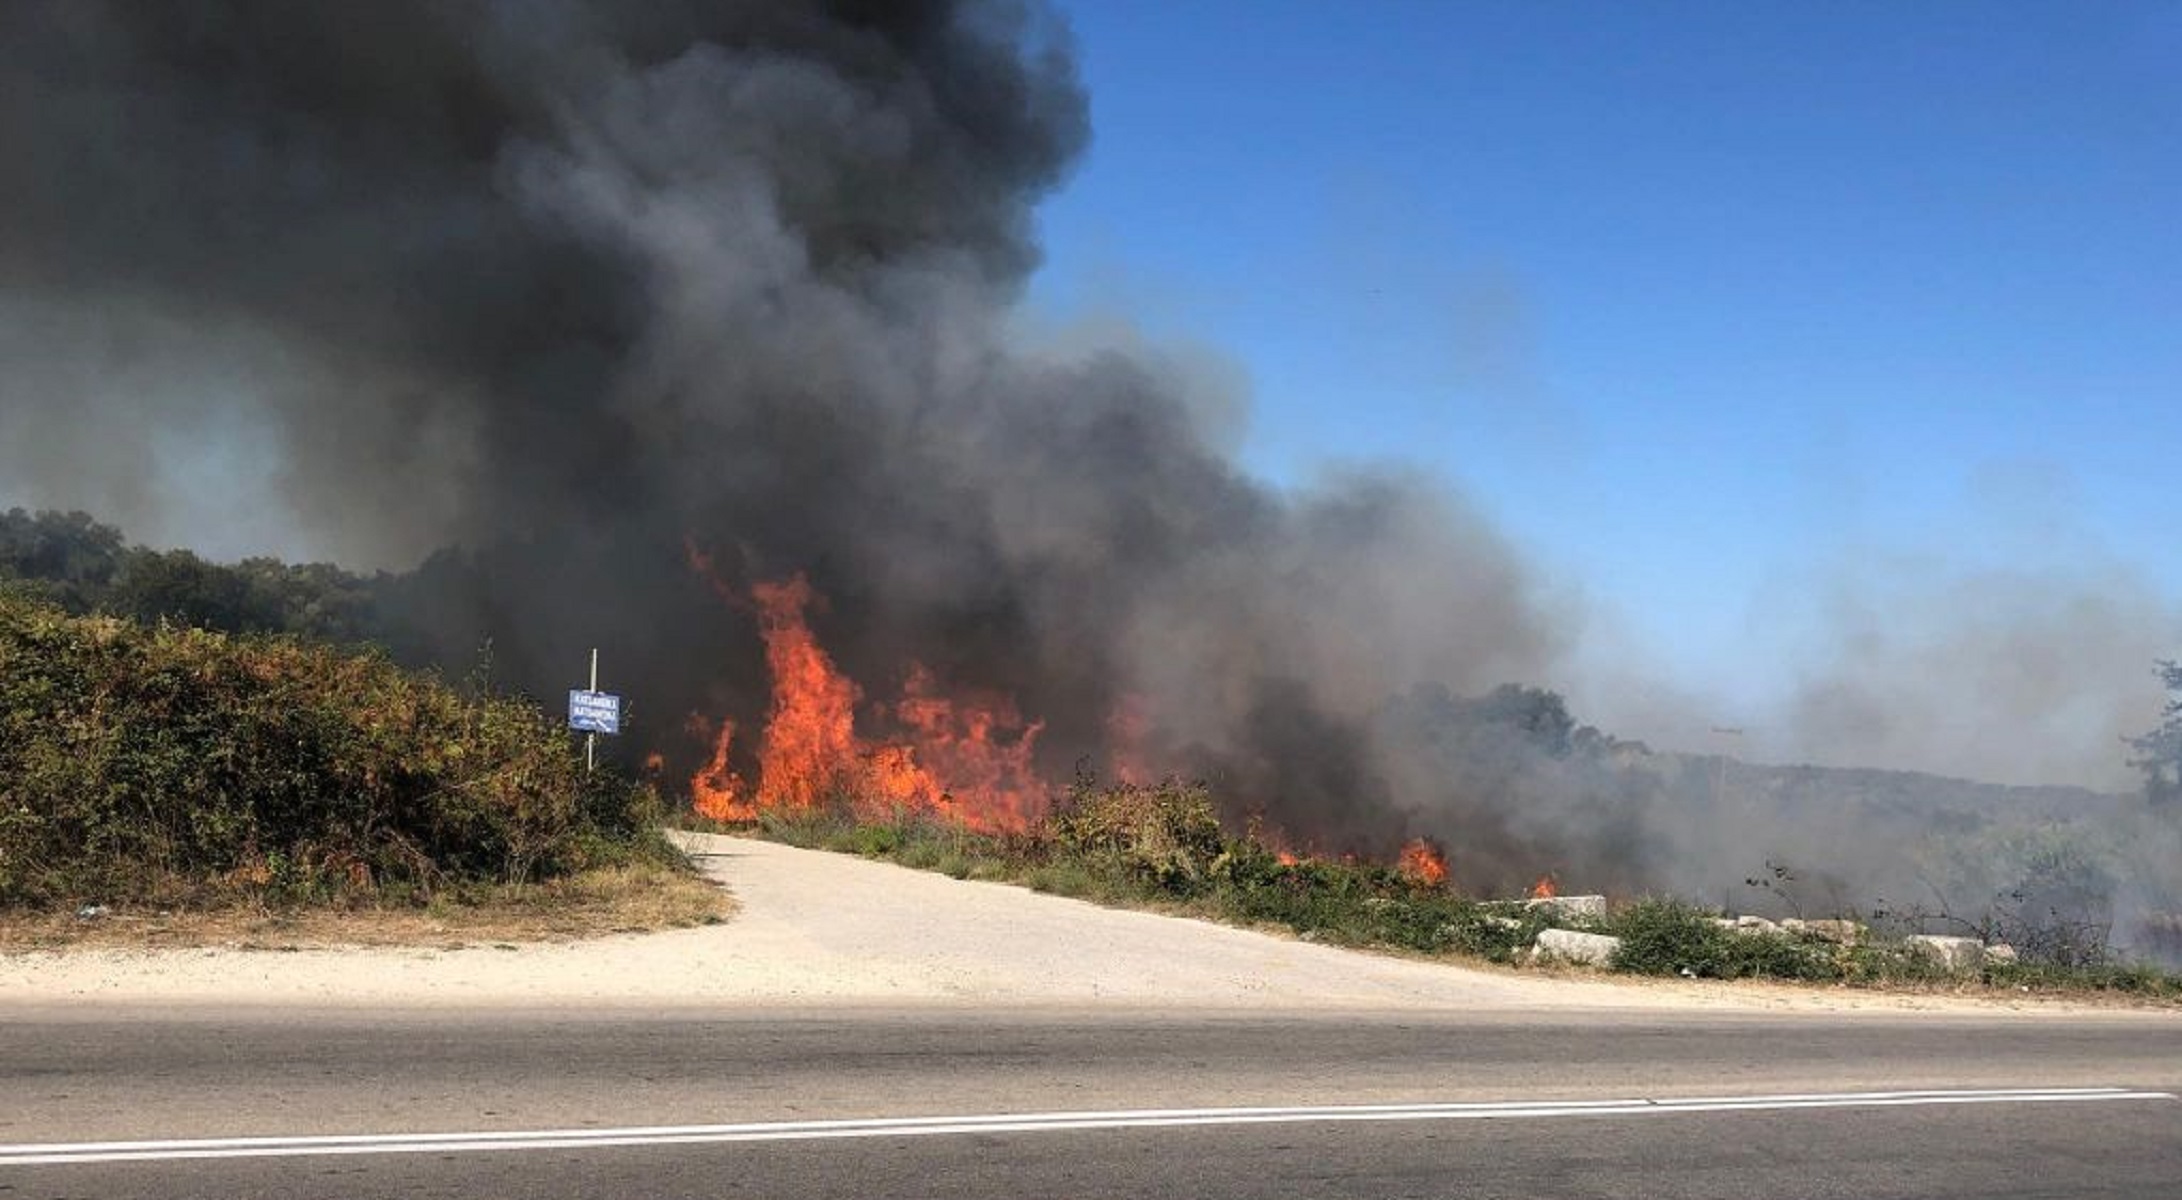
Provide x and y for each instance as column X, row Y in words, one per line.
column 1753, row 926
column 1569, row 907
column 1952, row 953
column 1583, row 949
column 1846, row 933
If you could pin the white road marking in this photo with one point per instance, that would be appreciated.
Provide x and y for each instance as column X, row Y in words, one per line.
column 55, row 1153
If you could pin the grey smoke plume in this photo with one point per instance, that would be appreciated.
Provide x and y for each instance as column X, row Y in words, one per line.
column 2034, row 674
column 573, row 284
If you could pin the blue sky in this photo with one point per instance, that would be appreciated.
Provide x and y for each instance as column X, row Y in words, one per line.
column 1695, row 300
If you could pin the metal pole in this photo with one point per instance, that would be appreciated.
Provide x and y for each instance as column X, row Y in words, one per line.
column 591, row 740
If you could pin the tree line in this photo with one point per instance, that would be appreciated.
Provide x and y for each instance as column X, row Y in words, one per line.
column 84, row 567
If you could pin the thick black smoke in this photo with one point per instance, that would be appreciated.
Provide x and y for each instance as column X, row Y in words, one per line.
column 576, row 286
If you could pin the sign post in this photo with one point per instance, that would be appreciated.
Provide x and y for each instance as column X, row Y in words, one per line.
column 594, row 712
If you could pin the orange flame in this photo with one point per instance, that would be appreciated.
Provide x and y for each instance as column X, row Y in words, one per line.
column 969, row 759
column 1126, row 726
column 1422, row 862
column 958, row 754
column 716, row 792
column 966, row 756
column 1545, row 888
column 810, row 735
column 1273, row 839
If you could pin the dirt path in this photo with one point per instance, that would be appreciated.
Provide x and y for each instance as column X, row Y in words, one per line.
column 831, row 929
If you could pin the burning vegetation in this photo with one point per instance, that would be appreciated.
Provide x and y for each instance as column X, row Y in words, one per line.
column 1422, row 861
column 966, row 759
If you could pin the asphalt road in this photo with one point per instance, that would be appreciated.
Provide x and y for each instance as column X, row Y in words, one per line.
column 1615, row 1104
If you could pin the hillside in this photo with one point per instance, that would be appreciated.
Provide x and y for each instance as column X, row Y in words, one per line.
column 1876, row 791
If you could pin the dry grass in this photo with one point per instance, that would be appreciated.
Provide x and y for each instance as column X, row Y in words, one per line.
column 637, row 898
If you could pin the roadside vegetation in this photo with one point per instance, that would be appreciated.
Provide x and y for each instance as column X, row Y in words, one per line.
column 1671, row 937
column 1163, row 847
column 205, row 751
column 149, row 771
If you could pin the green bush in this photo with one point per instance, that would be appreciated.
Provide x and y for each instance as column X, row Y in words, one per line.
column 169, row 764
column 1060, row 878
column 1166, row 834
column 1497, row 932
column 2130, row 978
column 873, row 841
column 1670, row 937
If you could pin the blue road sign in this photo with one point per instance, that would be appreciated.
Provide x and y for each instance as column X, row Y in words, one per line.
column 594, row 712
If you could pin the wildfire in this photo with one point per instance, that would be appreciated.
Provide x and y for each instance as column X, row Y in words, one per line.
column 974, row 753
column 1126, row 726
column 1422, row 861
column 964, row 755
column 1273, row 839
column 1545, row 888
column 715, row 790
column 969, row 758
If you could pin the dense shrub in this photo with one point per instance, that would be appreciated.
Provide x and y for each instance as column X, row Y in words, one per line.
column 169, row 763
column 2129, row 978
column 1669, row 937
column 1167, row 834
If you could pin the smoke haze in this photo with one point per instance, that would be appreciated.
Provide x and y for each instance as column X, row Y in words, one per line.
column 2026, row 675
